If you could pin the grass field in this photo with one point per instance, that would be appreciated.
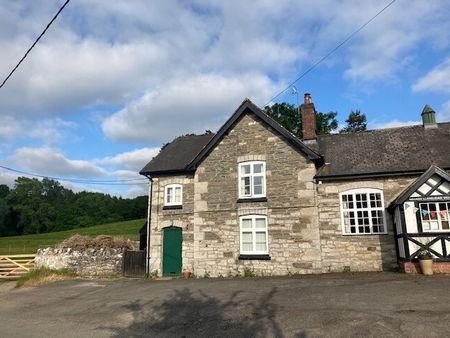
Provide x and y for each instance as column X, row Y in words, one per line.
column 30, row 243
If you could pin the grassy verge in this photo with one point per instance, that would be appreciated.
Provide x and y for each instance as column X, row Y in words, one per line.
column 30, row 243
column 43, row 276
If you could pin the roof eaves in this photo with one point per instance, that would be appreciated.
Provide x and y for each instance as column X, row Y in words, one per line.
column 367, row 175
column 165, row 172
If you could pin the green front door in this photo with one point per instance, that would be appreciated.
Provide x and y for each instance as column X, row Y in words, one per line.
column 172, row 238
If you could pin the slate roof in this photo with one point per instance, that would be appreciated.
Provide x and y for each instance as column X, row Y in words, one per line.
column 374, row 153
column 185, row 153
column 384, row 152
column 176, row 155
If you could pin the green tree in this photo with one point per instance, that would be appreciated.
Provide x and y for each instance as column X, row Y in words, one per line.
column 4, row 190
column 326, row 123
column 356, row 121
column 289, row 117
column 36, row 206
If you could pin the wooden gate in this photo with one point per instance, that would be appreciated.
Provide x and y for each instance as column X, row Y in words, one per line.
column 134, row 263
column 14, row 266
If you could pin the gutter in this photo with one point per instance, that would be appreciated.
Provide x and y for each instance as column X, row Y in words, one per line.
column 369, row 175
column 149, row 221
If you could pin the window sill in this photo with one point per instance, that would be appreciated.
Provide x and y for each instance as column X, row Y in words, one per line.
column 172, row 207
column 252, row 199
column 367, row 234
column 254, row 257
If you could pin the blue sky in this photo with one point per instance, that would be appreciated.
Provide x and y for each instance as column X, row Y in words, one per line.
column 112, row 81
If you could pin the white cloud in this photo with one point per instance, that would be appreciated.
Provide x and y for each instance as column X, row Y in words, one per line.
column 185, row 106
column 48, row 130
column 437, row 80
column 444, row 114
column 392, row 124
column 133, row 160
column 9, row 127
column 50, row 161
column 7, row 178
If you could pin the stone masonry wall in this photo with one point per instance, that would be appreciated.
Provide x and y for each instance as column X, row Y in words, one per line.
column 294, row 242
column 356, row 252
column 304, row 221
column 162, row 218
column 90, row 262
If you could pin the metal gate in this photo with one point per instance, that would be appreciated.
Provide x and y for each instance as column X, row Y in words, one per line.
column 134, row 263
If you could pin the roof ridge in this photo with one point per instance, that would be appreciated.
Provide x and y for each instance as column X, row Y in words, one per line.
column 377, row 130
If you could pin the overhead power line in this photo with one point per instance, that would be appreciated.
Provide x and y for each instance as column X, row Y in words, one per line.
column 34, row 43
column 314, row 65
column 133, row 181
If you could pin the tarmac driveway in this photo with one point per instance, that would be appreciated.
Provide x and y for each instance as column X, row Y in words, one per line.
column 374, row 304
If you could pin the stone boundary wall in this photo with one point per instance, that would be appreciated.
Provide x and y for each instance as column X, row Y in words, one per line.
column 89, row 262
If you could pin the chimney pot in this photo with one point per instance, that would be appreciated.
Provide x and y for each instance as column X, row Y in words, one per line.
column 308, row 98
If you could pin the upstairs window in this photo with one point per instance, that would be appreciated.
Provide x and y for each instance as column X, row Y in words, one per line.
column 254, row 239
column 252, row 179
column 173, row 195
column 362, row 212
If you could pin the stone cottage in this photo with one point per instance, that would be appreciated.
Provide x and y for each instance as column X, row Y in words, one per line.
column 255, row 197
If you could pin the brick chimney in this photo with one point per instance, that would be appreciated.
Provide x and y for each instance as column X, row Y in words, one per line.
column 308, row 115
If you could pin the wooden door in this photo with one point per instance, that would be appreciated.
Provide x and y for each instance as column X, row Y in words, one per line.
column 172, row 239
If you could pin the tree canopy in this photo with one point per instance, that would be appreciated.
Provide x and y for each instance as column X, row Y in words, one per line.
column 289, row 117
column 38, row 206
column 356, row 121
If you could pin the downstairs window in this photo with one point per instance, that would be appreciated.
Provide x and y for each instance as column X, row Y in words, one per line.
column 362, row 212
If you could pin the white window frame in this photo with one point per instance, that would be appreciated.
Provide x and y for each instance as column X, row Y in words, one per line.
column 253, row 230
column 166, row 194
column 369, row 209
column 439, row 217
column 251, row 175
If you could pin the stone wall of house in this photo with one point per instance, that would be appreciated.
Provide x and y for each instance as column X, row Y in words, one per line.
column 89, row 262
column 356, row 252
column 294, row 241
column 162, row 218
column 304, row 220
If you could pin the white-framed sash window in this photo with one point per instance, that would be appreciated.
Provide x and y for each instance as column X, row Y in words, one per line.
column 253, row 235
column 173, row 195
column 252, row 179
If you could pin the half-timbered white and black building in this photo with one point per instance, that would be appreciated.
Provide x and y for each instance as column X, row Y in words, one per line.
column 422, row 217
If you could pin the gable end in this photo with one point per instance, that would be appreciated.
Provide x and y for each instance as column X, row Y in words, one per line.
column 245, row 108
